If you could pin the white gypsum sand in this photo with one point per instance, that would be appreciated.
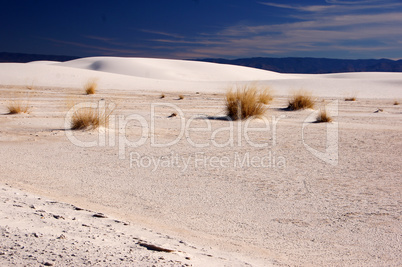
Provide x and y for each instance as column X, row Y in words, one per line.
column 234, row 202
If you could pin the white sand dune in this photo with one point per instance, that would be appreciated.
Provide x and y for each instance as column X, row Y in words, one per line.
column 175, row 70
column 284, row 207
column 190, row 76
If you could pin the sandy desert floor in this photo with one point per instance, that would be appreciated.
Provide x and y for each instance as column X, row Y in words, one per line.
column 224, row 204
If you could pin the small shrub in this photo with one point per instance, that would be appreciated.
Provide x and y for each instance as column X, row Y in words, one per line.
column 162, row 96
column 323, row 116
column 353, row 98
column 301, row 100
column 89, row 118
column 265, row 96
column 90, row 87
column 18, row 106
column 396, row 103
column 31, row 86
column 244, row 103
column 181, row 97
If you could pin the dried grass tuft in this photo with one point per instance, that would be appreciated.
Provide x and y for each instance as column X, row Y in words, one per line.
column 301, row 100
column 244, row 103
column 265, row 96
column 90, row 118
column 18, row 106
column 352, row 98
column 323, row 116
column 90, row 87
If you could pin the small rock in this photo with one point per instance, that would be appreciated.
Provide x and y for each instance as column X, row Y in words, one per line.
column 36, row 235
column 48, row 264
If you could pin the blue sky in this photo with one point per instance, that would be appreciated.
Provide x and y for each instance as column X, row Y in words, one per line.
column 203, row 28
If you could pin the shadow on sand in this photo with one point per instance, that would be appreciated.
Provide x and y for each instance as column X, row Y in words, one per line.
column 215, row 118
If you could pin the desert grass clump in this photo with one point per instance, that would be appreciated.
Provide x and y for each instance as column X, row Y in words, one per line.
column 244, row 103
column 396, row 103
column 323, row 116
column 18, row 106
column 90, row 87
column 265, row 96
column 352, row 98
column 30, row 86
column 301, row 100
column 162, row 96
column 90, row 118
column 181, row 97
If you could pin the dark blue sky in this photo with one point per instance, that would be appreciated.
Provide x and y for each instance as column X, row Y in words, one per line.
column 203, row 28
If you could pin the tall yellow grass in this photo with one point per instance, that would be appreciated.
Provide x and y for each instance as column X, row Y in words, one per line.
column 90, row 87
column 246, row 102
column 90, row 118
column 301, row 100
column 265, row 96
column 352, row 98
column 18, row 106
column 323, row 116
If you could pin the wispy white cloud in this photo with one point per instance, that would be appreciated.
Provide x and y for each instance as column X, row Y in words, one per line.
column 96, row 49
column 349, row 26
column 367, row 27
column 336, row 6
column 352, row 2
column 198, row 41
column 163, row 33
column 99, row 38
column 312, row 8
